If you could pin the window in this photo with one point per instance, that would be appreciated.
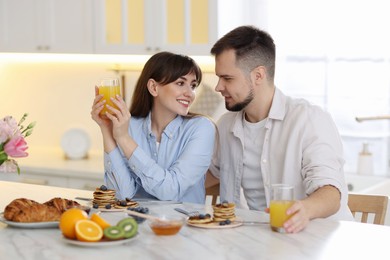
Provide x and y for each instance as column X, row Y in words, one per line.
column 336, row 54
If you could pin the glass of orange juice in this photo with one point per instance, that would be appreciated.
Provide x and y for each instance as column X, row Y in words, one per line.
column 282, row 197
column 109, row 87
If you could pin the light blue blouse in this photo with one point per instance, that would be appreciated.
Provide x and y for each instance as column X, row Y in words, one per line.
column 173, row 171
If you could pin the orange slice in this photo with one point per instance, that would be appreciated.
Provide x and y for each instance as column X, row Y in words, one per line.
column 88, row 231
column 100, row 221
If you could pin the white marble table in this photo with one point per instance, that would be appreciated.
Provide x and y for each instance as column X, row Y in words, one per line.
column 322, row 239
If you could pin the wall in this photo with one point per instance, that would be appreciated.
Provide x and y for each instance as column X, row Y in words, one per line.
column 58, row 94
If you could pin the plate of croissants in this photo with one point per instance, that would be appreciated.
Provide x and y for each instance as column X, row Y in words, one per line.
column 27, row 213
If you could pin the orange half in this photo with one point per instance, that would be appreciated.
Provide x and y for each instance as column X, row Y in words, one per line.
column 88, row 231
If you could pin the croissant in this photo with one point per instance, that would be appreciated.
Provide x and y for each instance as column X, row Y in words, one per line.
column 16, row 206
column 26, row 210
column 38, row 213
column 62, row 204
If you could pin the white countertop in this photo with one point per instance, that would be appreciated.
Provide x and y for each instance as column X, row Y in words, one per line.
column 322, row 239
column 52, row 161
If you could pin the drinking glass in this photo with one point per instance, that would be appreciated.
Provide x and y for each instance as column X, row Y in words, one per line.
column 282, row 197
column 109, row 87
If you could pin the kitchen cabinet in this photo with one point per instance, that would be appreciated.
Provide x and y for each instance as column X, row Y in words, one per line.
column 54, row 26
column 149, row 26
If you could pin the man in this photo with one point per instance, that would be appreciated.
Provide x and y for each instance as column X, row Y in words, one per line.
column 270, row 138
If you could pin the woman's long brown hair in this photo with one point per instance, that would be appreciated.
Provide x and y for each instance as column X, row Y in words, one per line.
column 164, row 68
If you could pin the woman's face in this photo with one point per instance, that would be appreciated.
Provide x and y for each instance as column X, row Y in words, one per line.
column 176, row 97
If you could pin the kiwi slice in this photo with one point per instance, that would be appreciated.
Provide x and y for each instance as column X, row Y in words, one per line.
column 114, row 233
column 129, row 226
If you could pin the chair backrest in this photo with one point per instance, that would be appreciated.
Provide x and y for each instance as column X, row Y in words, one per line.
column 213, row 192
column 368, row 204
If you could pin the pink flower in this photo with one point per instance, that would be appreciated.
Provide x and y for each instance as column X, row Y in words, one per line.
column 16, row 147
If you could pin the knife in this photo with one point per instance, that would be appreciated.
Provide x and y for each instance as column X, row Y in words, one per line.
column 81, row 198
column 252, row 222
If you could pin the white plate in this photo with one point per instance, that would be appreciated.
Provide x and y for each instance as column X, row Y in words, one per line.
column 100, row 243
column 51, row 224
column 75, row 142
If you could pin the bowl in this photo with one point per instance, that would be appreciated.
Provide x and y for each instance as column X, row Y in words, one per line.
column 167, row 224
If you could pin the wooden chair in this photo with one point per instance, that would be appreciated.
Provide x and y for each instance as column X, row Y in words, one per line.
column 366, row 204
column 213, row 191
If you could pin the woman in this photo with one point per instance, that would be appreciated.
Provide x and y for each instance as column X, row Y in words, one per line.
column 158, row 149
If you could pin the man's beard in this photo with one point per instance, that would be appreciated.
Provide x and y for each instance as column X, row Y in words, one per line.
column 240, row 106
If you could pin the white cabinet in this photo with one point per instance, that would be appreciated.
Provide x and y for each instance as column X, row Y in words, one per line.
column 55, row 26
column 35, row 178
column 149, row 26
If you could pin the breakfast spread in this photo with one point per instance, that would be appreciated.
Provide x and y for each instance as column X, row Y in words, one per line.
column 26, row 210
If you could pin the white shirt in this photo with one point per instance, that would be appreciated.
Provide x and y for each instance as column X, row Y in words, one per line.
column 252, row 181
column 302, row 147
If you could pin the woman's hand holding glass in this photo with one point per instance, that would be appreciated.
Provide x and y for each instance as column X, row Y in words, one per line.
column 120, row 117
column 98, row 105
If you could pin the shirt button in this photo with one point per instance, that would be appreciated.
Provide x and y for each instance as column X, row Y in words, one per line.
column 264, row 160
column 133, row 167
column 155, row 154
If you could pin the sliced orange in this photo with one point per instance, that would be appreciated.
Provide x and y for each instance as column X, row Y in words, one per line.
column 100, row 221
column 88, row 231
column 68, row 221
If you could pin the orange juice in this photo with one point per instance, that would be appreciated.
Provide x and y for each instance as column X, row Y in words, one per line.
column 278, row 214
column 108, row 92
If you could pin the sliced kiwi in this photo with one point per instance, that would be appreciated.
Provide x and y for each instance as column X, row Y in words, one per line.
column 114, row 233
column 129, row 226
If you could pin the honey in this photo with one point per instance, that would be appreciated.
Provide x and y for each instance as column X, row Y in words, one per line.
column 165, row 229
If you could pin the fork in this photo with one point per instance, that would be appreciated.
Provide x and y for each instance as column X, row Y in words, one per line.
column 188, row 213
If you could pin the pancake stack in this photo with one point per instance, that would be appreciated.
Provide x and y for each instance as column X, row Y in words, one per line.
column 102, row 197
column 224, row 211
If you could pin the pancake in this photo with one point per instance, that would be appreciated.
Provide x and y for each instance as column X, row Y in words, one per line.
column 224, row 215
column 216, row 219
column 224, row 207
column 124, row 204
column 200, row 220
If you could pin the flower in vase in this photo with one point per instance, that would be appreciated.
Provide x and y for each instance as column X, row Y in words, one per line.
column 12, row 142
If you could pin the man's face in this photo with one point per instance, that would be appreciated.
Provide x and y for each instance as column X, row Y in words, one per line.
column 233, row 84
